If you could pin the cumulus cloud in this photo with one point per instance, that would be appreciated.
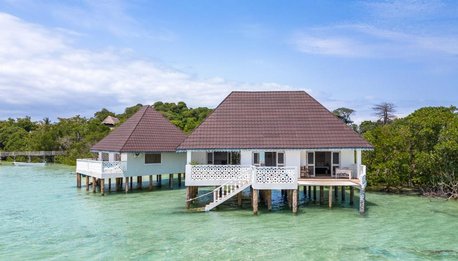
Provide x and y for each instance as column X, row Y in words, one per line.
column 42, row 74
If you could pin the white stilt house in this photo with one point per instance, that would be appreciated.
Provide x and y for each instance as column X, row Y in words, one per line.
column 272, row 140
column 144, row 145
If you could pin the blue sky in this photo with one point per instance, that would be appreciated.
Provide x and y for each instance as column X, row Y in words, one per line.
column 62, row 58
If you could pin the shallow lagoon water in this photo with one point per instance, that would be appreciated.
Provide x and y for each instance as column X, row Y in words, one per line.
column 44, row 216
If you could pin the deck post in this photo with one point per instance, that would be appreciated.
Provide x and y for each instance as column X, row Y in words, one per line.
column 362, row 201
column 179, row 180
column 336, row 193
column 188, row 196
column 109, row 185
column 171, row 181
column 314, row 193
column 343, row 193
column 352, row 195
column 330, row 197
column 78, row 180
column 150, row 182
column 255, row 201
column 102, row 186
column 310, row 193
column 127, row 184
column 294, row 197
column 87, row 183
column 159, row 180
column 305, row 192
column 289, row 198
column 321, row 195
column 269, row 199
column 139, row 182
column 239, row 199
column 94, row 184
column 131, row 182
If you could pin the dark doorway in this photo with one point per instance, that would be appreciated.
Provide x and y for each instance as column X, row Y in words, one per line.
column 271, row 159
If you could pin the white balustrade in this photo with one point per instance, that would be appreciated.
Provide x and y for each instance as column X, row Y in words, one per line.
column 101, row 169
column 275, row 178
column 215, row 175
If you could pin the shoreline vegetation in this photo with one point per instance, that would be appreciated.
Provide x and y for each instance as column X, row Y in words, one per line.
column 414, row 154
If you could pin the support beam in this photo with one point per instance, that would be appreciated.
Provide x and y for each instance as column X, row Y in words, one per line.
column 150, row 182
column 87, row 183
column 159, row 180
column 127, row 184
column 321, row 195
column 330, row 197
column 109, row 185
column 78, row 180
column 188, row 196
column 352, row 195
column 94, row 184
column 131, row 182
column 314, row 193
column 170, row 181
column 179, row 180
column 102, row 186
column 336, row 193
column 239, row 199
column 255, row 201
column 342, row 194
column 269, row 199
column 289, row 197
column 294, row 196
column 139, row 182
column 305, row 192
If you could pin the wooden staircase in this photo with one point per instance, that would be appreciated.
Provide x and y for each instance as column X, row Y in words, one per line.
column 227, row 191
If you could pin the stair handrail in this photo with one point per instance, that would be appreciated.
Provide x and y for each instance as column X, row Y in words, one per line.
column 226, row 183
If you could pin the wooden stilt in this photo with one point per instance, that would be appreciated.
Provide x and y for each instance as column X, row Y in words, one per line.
column 294, row 197
column 305, row 192
column 127, row 184
column 239, row 199
column 336, row 192
column 131, row 182
column 150, row 182
column 170, row 180
column 78, row 180
column 87, row 183
column 94, row 184
column 179, row 180
column 255, row 201
column 330, row 197
column 342, row 190
column 289, row 198
column 102, row 186
column 362, row 201
column 109, row 185
column 139, row 182
column 314, row 193
column 159, row 180
column 352, row 195
column 188, row 196
column 310, row 193
column 269, row 199
column 321, row 195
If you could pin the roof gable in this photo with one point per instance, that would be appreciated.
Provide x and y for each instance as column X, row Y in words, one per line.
column 272, row 120
column 146, row 131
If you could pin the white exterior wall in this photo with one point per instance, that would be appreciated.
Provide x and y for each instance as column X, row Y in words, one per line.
column 303, row 158
column 293, row 159
column 347, row 158
column 246, row 157
column 171, row 162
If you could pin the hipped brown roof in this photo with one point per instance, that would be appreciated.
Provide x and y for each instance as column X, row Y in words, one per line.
column 146, row 131
column 272, row 120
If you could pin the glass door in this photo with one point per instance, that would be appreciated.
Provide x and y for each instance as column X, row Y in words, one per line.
column 270, row 159
column 311, row 163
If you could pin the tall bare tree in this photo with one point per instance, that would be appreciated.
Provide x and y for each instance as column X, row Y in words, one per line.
column 385, row 112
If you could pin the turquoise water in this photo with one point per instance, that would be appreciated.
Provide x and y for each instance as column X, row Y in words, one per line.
column 44, row 216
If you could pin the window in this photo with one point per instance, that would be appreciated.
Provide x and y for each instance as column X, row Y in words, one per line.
column 105, row 156
column 310, row 158
column 256, row 158
column 280, row 159
column 335, row 158
column 220, row 158
column 210, row 158
column 117, row 157
column 235, row 158
column 153, row 158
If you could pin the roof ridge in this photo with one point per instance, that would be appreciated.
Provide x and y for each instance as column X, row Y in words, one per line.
column 136, row 125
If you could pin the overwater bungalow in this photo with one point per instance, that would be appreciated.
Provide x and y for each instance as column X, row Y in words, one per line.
column 144, row 145
column 268, row 141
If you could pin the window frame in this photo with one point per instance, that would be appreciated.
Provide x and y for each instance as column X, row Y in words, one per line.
column 153, row 163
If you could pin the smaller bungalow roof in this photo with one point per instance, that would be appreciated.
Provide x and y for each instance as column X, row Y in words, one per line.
column 146, row 131
column 110, row 120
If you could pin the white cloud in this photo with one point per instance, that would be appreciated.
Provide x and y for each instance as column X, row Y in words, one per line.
column 41, row 73
column 362, row 40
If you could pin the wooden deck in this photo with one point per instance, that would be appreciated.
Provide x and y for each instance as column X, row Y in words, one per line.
column 328, row 181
